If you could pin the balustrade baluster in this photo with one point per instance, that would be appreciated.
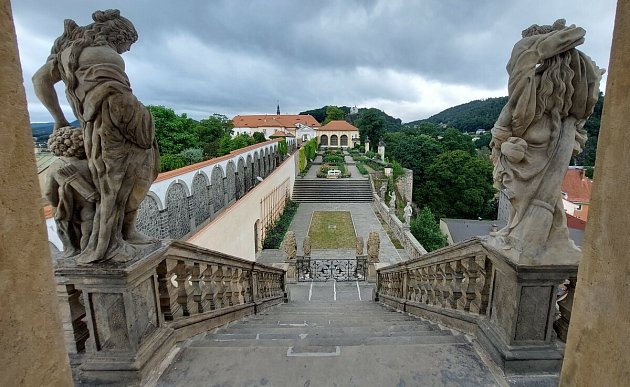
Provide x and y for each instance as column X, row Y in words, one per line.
column 167, row 291
column 199, row 288
column 457, row 275
column 565, row 306
column 482, row 288
column 469, row 283
column 184, row 288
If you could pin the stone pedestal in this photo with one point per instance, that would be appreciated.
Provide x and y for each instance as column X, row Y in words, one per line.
column 121, row 307
column 291, row 271
column 518, row 332
column 372, row 275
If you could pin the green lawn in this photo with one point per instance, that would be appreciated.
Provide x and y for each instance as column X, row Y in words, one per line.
column 332, row 230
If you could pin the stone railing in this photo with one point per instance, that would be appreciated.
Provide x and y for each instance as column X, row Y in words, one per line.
column 472, row 287
column 125, row 318
column 412, row 247
column 453, row 282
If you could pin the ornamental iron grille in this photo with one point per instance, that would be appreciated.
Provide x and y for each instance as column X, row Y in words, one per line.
column 353, row 269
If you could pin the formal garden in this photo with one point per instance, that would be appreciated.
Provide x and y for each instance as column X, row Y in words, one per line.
column 333, row 165
column 332, row 230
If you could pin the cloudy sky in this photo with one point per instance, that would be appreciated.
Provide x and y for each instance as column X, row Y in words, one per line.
column 409, row 58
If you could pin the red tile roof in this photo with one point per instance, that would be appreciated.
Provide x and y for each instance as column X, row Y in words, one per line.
column 577, row 186
column 573, row 222
column 268, row 120
column 279, row 133
column 339, row 125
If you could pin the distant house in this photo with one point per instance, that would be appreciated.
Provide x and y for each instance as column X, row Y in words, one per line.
column 576, row 192
column 302, row 126
column 338, row 134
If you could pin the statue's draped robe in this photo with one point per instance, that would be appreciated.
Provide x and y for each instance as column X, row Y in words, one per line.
column 526, row 179
column 120, row 146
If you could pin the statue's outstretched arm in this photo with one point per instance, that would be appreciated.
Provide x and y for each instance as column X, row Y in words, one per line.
column 44, row 81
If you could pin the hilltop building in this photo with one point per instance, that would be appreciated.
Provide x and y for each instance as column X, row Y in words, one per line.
column 338, row 134
column 302, row 126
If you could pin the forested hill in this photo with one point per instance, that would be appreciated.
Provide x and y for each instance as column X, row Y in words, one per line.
column 479, row 114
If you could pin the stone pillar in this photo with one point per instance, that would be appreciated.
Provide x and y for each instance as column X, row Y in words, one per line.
column 33, row 352
column 599, row 331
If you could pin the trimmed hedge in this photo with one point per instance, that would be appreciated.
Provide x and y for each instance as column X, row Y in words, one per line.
column 275, row 234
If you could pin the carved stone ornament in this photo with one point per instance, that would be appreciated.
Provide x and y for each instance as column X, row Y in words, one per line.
column 373, row 246
column 553, row 88
column 289, row 245
column 306, row 246
column 359, row 246
column 97, row 195
column 392, row 201
column 383, row 190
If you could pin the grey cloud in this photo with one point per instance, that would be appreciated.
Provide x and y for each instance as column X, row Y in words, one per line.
column 237, row 57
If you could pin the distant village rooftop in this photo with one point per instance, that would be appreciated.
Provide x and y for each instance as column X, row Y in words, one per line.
column 274, row 120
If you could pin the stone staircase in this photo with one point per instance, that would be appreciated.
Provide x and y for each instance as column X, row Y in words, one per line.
column 332, row 191
column 334, row 339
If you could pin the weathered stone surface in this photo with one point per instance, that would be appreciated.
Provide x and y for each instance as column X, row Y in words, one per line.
column 392, row 201
column 118, row 131
column 359, row 247
column 373, row 246
column 32, row 344
column 597, row 346
column 383, row 190
column 289, row 245
column 306, row 246
column 535, row 136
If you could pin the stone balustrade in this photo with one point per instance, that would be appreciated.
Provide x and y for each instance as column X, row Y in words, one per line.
column 472, row 287
column 120, row 320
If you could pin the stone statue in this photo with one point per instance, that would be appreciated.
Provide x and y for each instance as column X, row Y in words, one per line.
column 69, row 189
column 118, row 132
column 359, row 246
column 289, row 245
column 306, row 246
column 553, row 89
column 392, row 201
column 383, row 190
column 373, row 246
column 408, row 212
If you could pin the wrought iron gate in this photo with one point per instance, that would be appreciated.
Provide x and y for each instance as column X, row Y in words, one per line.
column 353, row 269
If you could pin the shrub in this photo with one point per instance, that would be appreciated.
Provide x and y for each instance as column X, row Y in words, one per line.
column 170, row 162
column 333, row 159
column 397, row 170
column 275, row 234
column 192, row 155
column 370, row 154
column 302, row 159
column 427, row 231
column 361, row 168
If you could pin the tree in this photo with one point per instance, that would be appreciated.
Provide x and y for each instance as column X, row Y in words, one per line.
column 458, row 185
column 192, row 155
column 173, row 133
column 210, row 130
column 427, row 231
column 371, row 124
column 259, row 137
column 333, row 113
column 453, row 139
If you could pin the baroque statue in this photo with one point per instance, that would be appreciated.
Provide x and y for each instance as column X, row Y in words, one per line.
column 359, row 246
column 383, row 190
column 373, row 246
column 407, row 213
column 306, row 246
column 392, row 201
column 553, row 88
column 289, row 245
column 118, row 139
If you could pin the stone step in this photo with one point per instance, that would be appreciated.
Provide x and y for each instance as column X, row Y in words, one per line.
column 431, row 337
column 394, row 330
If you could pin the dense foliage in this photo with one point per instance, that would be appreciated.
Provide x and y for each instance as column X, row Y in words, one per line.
column 427, row 231
column 391, row 123
column 468, row 117
column 275, row 234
